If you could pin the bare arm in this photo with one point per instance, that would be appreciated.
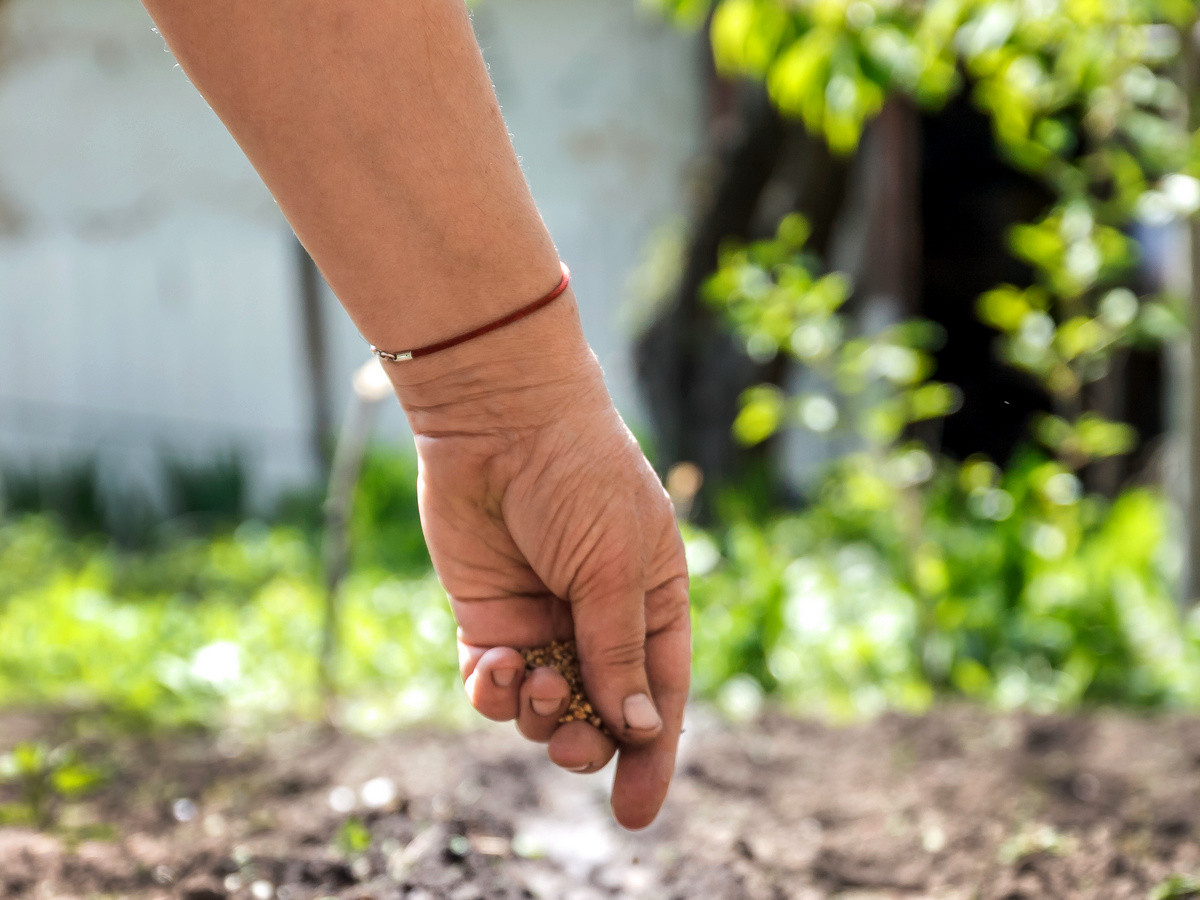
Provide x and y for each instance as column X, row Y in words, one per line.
column 375, row 126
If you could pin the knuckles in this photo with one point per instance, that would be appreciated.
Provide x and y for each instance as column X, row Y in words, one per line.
column 622, row 654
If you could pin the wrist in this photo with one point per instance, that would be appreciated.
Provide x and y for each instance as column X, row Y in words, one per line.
column 517, row 377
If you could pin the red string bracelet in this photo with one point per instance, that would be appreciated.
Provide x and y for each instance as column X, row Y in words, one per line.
column 516, row 315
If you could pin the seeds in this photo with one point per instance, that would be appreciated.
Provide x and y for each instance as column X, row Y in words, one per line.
column 562, row 657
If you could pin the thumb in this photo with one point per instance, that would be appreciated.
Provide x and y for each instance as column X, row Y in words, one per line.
column 610, row 634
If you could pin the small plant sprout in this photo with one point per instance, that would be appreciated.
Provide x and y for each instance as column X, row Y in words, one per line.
column 45, row 779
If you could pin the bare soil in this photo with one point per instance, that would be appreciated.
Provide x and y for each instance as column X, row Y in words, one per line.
column 958, row 803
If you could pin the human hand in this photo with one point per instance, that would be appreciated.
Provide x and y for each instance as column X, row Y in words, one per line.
column 545, row 522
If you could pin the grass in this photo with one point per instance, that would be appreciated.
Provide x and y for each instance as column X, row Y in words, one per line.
column 205, row 629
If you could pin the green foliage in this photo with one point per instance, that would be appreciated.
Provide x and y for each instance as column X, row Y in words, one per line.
column 221, row 620
column 45, row 778
column 1177, row 887
column 210, row 628
column 1080, row 95
column 215, row 490
column 70, row 490
column 386, row 527
column 876, row 385
column 910, row 575
column 1034, row 840
column 1065, row 329
column 1014, row 588
column 1076, row 89
column 353, row 838
column 195, row 495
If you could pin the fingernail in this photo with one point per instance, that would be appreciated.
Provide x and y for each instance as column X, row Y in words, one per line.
column 503, row 677
column 640, row 713
column 582, row 768
column 544, row 707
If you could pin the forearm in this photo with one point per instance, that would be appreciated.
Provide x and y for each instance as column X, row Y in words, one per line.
column 375, row 126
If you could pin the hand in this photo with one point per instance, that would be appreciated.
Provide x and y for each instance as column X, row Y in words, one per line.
column 545, row 522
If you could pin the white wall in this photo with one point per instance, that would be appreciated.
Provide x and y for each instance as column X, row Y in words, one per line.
column 148, row 283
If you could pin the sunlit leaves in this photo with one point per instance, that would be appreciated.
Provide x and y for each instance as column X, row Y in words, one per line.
column 876, row 384
column 1080, row 94
column 154, row 636
column 932, row 400
column 353, row 837
column 1064, row 329
column 1007, row 308
column 686, row 12
column 1071, row 252
column 1089, row 437
column 44, row 778
column 1178, row 887
column 1038, row 67
column 820, row 79
column 747, row 34
column 761, row 414
column 832, row 63
column 1020, row 590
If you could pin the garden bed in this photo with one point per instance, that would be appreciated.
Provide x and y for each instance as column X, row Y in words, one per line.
column 955, row 804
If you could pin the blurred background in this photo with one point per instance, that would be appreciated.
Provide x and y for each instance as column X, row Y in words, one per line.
column 894, row 294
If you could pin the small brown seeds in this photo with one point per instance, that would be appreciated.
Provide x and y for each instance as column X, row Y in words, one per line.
column 562, row 657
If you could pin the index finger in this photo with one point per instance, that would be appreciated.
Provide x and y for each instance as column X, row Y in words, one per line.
column 644, row 772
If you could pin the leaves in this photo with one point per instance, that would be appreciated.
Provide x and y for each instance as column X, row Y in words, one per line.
column 84, row 624
column 760, row 416
column 1080, row 95
column 1017, row 589
column 874, row 385
column 45, row 777
column 353, row 837
column 747, row 34
column 1177, row 887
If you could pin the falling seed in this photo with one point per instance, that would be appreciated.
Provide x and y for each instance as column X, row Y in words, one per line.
column 563, row 658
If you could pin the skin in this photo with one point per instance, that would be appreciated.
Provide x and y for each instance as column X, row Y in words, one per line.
column 375, row 126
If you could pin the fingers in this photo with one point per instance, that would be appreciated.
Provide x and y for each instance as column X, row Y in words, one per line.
column 494, row 679
column 543, row 697
column 579, row 747
column 644, row 771
column 610, row 631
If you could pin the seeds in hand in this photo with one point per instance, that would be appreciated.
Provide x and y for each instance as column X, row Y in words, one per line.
column 563, row 658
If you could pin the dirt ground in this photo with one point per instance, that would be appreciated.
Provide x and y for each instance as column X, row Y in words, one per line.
column 955, row 804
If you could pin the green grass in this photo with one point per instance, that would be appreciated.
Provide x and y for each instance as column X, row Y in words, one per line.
column 818, row 610
column 212, row 628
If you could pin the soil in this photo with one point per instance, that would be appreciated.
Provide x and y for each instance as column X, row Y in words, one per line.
column 958, row 803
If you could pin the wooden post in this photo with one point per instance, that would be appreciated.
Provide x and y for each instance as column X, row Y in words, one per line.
column 316, row 357
column 1191, row 86
column 371, row 387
